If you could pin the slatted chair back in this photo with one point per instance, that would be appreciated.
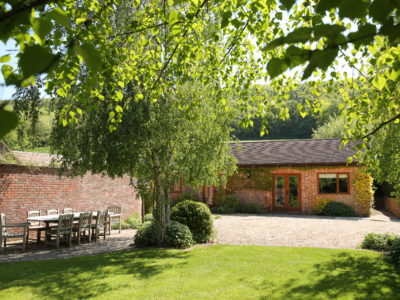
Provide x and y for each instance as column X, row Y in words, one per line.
column 33, row 213
column 65, row 223
column 52, row 212
column 2, row 223
column 101, row 218
column 85, row 220
column 113, row 209
column 69, row 210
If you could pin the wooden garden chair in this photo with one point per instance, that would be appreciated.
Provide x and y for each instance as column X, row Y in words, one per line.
column 69, row 210
column 100, row 227
column 4, row 234
column 84, row 224
column 35, row 225
column 114, row 218
column 64, row 229
column 51, row 212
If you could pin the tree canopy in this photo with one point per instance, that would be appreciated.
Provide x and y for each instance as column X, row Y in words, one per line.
column 104, row 57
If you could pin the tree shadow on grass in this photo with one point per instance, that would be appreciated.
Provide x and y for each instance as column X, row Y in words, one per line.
column 348, row 277
column 89, row 276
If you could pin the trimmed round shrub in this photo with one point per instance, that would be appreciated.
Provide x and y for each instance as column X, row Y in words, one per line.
column 376, row 241
column 145, row 236
column 148, row 218
column 196, row 216
column 394, row 252
column 338, row 209
column 178, row 236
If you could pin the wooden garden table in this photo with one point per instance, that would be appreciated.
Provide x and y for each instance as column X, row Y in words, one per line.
column 54, row 218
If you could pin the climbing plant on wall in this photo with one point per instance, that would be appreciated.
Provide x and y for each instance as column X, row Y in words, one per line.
column 364, row 194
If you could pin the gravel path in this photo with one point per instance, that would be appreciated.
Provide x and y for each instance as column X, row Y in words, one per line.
column 301, row 231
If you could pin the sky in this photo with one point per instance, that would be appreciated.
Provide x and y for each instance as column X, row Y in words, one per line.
column 10, row 49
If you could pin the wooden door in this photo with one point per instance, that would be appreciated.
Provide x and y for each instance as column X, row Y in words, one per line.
column 287, row 192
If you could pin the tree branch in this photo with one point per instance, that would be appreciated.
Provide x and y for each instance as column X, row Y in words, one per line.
column 145, row 28
column 176, row 47
column 233, row 43
column 22, row 8
column 381, row 125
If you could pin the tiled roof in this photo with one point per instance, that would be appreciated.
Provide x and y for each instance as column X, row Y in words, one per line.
column 291, row 152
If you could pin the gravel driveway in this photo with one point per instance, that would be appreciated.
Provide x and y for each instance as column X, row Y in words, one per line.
column 300, row 230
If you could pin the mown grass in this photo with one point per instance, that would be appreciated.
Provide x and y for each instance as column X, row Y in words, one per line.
column 39, row 150
column 215, row 272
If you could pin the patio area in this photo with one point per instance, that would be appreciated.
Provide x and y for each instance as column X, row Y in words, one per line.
column 113, row 242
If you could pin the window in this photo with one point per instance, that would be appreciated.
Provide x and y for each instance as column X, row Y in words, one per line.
column 333, row 183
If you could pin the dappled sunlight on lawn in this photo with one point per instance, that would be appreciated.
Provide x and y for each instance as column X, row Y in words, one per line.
column 213, row 272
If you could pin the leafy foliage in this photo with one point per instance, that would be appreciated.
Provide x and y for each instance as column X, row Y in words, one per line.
column 320, row 204
column 250, row 208
column 132, row 222
column 196, row 216
column 188, row 195
column 394, row 252
column 337, row 209
column 148, row 218
column 377, row 241
column 364, row 194
column 333, row 128
column 145, row 236
column 178, row 236
column 227, row 204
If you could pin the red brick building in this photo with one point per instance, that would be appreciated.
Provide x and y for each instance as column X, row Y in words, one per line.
column 291, row 175
column 30, row 183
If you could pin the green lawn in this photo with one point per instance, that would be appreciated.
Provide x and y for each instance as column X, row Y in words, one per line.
column 39, row 150
column 216, row 272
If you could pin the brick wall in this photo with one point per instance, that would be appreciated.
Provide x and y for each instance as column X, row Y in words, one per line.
column 28, row 188
column 392, row 205
column 309, row 188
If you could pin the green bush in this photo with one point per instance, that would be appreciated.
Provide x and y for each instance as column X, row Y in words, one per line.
column 197, row 217
column 250, row 208
column 228, row 204
column 178, row 236
column 132, row 222
column 148, row 218
column 394, row 252
column 338, row 209
column 376, row 241
column 222, row 210
column 145, row 236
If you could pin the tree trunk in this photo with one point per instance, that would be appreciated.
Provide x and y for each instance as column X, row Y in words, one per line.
column 161, row 203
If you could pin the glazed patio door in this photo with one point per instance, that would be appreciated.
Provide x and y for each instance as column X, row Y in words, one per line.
column 286, row 192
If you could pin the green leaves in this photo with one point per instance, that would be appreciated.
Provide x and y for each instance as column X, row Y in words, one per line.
column 8, row 121
column 380, row 10
column 90, row 55
column 363, row 36
column 36, row 60
column 288, row 3
column 353, row 9
column 5, row 58
column 300, row 35
column 60, row 16
column 276, row 66
column 225, row 18
column 42, row 27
